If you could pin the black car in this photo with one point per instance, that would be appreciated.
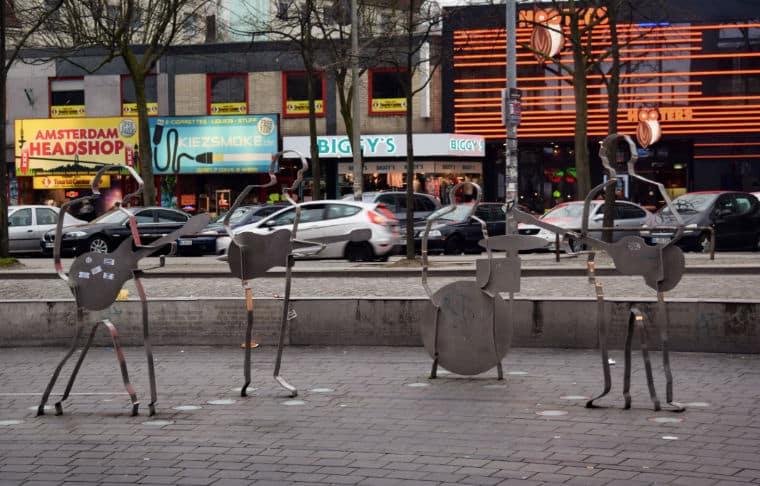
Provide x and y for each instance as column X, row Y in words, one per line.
column 455, row 233
column 205, row 243
column 734, row 215
column 104, row 233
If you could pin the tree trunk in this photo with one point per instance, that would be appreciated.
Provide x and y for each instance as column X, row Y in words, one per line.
column 146, row 158
column 4, row 250
column 410, row 252
column 613, row 91
column 580, row 90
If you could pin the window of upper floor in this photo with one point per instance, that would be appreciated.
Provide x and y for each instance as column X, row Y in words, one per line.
column 129, row 96
column 295, row 94
column 386, row 93
column 67, row 98
column 227, row 94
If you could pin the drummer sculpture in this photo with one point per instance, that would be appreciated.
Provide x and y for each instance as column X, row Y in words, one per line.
column 95, row 280
column 661, row 265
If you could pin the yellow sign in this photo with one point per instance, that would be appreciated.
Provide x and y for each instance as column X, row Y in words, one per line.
column 388, row 105
column 301, row 107
column 130, row 109
column 48, row 146
column 68, row 182
column 235, row 108
column 67, row 111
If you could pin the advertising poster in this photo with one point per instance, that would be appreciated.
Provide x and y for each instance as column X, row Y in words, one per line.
column 68, row 146
column 213, row 144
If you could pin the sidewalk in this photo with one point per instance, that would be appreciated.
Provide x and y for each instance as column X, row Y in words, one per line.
column 370, row 416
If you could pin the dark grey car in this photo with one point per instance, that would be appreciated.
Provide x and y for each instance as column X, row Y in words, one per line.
column 734, row 215
column 395, row 202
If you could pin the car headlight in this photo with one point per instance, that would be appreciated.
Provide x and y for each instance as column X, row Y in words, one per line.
column 431, row 234
column 73, row 235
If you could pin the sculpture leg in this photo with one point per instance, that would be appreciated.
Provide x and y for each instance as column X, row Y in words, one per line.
column 283, row 328
column 122, row 364
column 499, row 367
column 248, row 336
column 632, row 315
column 148, row 346
column 640, row 322
column 664, row 321
column 434, row 369
column 602, row 334
column 57, row 372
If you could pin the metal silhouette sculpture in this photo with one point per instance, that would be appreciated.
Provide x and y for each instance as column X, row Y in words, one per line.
column 251, row 255
column 661, row 266
column 471, row 329
column 95, row 280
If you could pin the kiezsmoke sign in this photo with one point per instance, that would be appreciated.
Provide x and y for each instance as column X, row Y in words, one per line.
column 425, row 145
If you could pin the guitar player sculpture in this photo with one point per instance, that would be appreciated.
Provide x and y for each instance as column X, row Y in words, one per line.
column 95, row 280
column 660, row 265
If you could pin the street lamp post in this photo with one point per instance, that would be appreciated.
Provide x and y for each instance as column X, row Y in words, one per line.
column 511, row 109
column 356, row 132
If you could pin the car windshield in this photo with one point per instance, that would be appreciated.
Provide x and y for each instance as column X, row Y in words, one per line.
column 112, row 216
column 691, row 203
column 570, row 211
column 458, row 214
column 237, row 216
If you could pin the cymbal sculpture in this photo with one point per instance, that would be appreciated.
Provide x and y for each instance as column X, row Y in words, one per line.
column 95, row 280
column 250, row 255
column 660, row 265
column 470, row 330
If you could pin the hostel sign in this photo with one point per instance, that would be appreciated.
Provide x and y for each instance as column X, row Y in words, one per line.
column 65, row 146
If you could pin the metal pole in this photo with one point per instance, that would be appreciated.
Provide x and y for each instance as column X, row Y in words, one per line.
column 356, row 123
column 510, row 168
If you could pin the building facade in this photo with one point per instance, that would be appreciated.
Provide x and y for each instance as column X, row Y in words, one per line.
column 695, row 66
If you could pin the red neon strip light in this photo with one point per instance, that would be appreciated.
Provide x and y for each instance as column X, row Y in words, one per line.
column 736, row 144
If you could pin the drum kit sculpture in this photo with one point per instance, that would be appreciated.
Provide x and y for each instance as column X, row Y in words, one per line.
column 470, row 329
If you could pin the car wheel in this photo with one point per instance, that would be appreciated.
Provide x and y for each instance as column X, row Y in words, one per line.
column 359, row 252
column 454, row 245
column 98, row 244
column 703, row 243
column 757, row 243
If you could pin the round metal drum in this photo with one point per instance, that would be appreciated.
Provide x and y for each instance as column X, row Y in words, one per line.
column 468, row 344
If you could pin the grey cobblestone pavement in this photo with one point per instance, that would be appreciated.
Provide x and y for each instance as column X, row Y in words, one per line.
column 716, row 285
column 370, row 416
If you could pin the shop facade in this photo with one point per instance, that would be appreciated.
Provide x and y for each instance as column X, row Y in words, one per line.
column 694, row 73
column 440, row 161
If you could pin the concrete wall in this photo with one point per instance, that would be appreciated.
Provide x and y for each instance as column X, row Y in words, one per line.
column 694, row 325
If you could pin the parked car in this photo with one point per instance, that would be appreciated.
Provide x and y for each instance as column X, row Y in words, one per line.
column 395, row 201
column 455, row 232
column 569, row 215
column 27, row 224
column 205, row 243
column 734, row 215
column 328, row 218
column 104, row 233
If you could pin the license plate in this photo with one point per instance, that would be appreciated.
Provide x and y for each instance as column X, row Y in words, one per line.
column 49, row 245
column 185, row 242
column 660, row 240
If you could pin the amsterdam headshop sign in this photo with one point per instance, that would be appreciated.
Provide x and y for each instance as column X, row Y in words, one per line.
column 213, row 144
column 425, row 145
column 47, row 146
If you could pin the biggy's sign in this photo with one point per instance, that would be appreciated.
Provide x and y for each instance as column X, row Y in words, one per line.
column 61, row 146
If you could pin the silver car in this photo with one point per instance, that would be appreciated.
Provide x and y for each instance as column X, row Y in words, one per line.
column 27, row 224
column 326, row 218
column 569, row 215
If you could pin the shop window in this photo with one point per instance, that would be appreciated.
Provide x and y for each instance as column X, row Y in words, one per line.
column 386, row 92
column 295, row 99
column 129, row 98
column 67, row 98
column 227, row 94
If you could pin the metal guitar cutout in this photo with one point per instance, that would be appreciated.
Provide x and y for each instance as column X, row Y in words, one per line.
column 251, row 255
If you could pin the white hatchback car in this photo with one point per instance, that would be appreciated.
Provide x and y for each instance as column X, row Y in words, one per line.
column 331, row 218
column 27, row 224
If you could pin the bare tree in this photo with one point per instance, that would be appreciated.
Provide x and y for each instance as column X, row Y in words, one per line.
column 17, row 26
column 139, row 32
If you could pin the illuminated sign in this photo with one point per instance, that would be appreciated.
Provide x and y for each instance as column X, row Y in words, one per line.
column 301, row 107
column 60, row 146
column 213, row 144
column 419, row 167
column 67, row 111
column 69, row 182
column 230, row 108
column 130, row 109
column 684, row 95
